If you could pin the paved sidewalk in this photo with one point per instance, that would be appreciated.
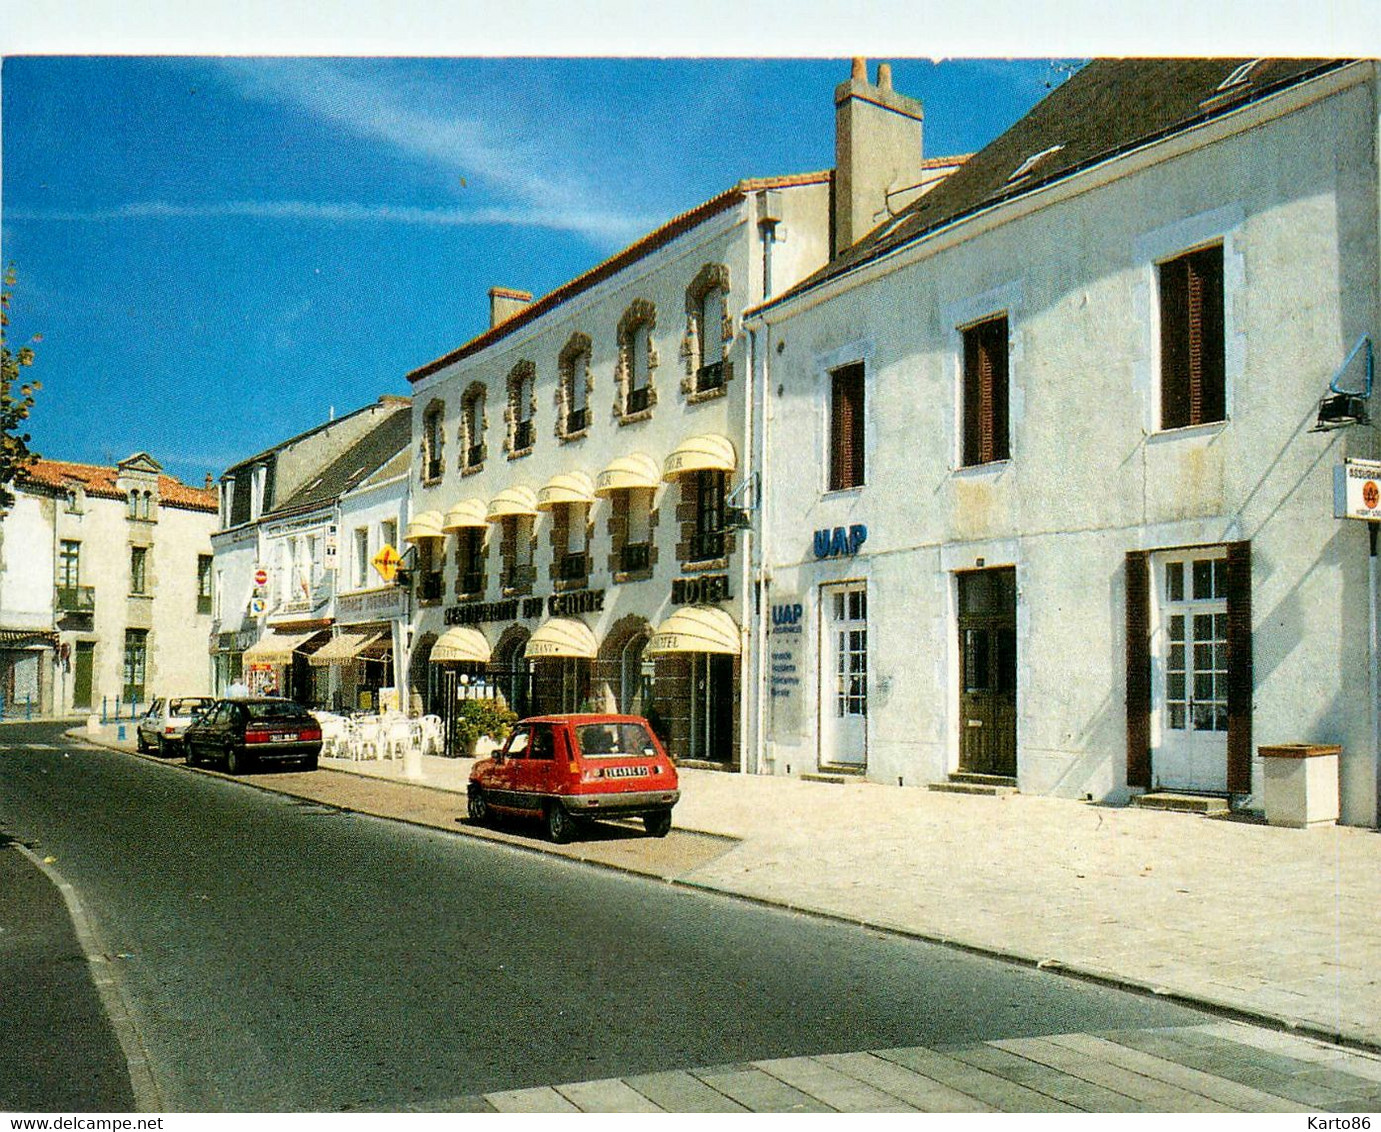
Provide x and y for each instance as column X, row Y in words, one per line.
column 1274, row 923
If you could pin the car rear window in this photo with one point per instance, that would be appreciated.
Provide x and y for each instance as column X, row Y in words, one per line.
column 606, row 740
column 187, row 706
column 277, row 711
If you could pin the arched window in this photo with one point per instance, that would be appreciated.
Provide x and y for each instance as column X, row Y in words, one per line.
column 704, row 349
column 472, row 425
column 433, row 442
column 522, row 405
column 573, row 392
column 637, row 362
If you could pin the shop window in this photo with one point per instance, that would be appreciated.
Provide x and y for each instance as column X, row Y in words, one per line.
column 985, row 393
column 472, row 423
column 637, row 361
column 204, row 562
column 433, row 442
column 139, row 571
column 573, row 366
column 1192, row 371
column 522, row 404
column 846, row 428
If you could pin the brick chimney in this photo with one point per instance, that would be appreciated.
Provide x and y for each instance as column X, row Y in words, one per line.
column 877, row 151
column 504, row 303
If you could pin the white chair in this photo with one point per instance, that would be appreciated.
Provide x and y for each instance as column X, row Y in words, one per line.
column 334, row 735
column 396, row 737
column 366, row 738
column 433, row 742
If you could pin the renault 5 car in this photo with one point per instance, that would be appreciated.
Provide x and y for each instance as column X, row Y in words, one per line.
column 566, row 769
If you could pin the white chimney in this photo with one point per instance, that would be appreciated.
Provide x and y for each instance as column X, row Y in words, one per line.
column 504, row 303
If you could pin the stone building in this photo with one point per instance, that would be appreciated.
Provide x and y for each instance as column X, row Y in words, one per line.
column 105, row 587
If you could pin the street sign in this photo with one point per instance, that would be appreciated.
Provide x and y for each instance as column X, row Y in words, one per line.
column 1357, row 490
column 261, row 577
column 257, row 605
column 386, row 563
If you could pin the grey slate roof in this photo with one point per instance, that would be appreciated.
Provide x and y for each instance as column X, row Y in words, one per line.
column 378, row 447
column 1108, row 107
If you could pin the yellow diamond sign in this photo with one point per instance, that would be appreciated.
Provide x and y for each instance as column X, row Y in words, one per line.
column 386, row 562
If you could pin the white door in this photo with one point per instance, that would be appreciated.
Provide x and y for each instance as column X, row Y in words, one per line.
column 1190, row 671
column 844, row 675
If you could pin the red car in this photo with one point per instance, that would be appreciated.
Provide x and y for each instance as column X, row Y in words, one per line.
column 567, row 768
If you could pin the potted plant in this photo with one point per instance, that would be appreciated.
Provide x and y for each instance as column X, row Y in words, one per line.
column 481, row 725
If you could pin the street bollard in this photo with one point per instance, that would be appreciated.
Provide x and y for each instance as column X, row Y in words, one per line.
column 105, row 715
column 29, row 708
column 120, row 733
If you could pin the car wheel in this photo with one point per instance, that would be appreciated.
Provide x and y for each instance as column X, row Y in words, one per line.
column 235, row 762
column 477, row 806
column 309, row 763
column 162, row 747
column 560, row 824
column 658, row 824
column 139, row 744
column 189, row 753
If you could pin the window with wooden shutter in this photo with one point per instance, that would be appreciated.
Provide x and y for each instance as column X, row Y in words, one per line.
column 1192, row 373
column 846, row 428
column 1240, row 678
column 985, row 393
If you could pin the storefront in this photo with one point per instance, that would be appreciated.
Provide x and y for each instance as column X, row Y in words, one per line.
column 696, row 652
column 278, row 665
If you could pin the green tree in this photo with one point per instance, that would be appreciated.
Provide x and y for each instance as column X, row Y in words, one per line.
column 16, row 399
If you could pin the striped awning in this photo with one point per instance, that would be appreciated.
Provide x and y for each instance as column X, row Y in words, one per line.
column 567, row 487
column 512, row 501
column 424, row 526
column 277, row 648
column 633, row 470
column 696, row 628
column 562, row 637
column 708, row 452
column 466, row 514
column 461, row 642
column 344, row 647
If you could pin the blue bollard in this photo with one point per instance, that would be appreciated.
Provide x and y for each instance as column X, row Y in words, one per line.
column 105, row 714
column 29, row 708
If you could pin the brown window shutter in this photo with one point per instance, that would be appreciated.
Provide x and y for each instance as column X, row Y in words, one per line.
column 1192, row 347
column 1240, row 679
column 1175, row 397
column 985, row 394
column 1138, row 611
column 846, row 428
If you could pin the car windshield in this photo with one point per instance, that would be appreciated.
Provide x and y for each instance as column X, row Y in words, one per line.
column 276, row 710
column 188, row 706
column 603, row 740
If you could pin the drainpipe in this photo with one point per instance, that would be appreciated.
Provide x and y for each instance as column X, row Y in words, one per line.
column 760, row 362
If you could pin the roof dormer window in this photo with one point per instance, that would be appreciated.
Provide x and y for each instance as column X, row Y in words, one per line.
column 1026, row 167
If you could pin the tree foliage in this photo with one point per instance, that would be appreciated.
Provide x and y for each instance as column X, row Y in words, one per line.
column 16, row 399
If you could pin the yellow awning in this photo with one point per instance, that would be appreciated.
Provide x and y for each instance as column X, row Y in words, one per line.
column 696, row 628
column 277, row 648
column 562, row 636
column 635, row 470
column 424, row 526
column 464, row 515
column 568, row 487
column 512, row 501
column 343, row 647
column 461, row 643
column 708, row 452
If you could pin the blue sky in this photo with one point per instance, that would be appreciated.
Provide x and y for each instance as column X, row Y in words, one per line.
column 217, row 252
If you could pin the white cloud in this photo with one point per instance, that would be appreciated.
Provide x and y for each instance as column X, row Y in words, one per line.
column 606, row 227
column 516, row 159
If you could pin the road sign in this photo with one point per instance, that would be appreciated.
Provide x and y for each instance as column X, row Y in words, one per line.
column 257, row 605
column 261, row 577
column 1357, row 490
column 386, row 563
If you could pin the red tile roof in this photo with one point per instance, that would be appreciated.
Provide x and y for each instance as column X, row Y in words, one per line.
column 99, row 481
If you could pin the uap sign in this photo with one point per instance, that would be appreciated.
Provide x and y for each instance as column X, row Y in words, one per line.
column 841, row 542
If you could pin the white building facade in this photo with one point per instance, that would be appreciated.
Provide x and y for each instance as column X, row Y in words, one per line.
column 576, row 473
column 1042, row 499
column 105, row 588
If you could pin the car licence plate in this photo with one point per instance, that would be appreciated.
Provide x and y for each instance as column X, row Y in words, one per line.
column 282, row 738
column 626, row 772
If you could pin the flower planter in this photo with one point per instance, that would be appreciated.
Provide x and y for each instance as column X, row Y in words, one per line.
column 1301, row 784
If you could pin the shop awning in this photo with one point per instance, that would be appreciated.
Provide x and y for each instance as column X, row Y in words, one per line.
column 15, row 638
column 277, row 648
column 344, row 647
column 423, row 526
column 562, row 637
column 465, row 515
column 568, row 487
column 708, row 452
column 633, row 470
column 696, row 628
column 461, row 643
column 512, row 501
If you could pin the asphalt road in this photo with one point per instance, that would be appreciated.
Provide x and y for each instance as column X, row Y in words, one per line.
column 277, row 954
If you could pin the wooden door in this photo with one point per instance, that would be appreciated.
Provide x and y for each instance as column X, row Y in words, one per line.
column 988, row 672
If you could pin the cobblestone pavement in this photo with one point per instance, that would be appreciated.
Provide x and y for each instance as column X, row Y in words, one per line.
column 1221, row 1067
column 1276, row 924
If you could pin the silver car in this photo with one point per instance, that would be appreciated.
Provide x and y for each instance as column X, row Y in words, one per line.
column 162, row 727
